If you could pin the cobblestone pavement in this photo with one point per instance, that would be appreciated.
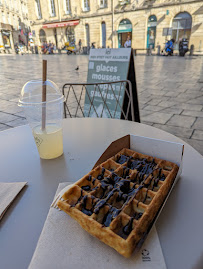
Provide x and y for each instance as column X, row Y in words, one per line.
column 170, row 95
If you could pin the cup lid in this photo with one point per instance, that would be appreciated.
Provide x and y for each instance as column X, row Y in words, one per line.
column 31, row 93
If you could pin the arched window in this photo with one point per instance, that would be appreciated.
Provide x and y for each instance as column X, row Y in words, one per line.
column 103, row 34
column 181, row 26
column 125, row 24
column 152, row 21
column 151, row 31
column 42, row 36
column 87, row 29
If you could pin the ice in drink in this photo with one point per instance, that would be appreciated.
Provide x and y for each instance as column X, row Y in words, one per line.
column 49, row 141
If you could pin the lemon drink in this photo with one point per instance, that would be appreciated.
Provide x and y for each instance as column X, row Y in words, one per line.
column 49, row 141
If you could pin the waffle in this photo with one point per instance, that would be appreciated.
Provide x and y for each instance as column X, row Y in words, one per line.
column 118, row 201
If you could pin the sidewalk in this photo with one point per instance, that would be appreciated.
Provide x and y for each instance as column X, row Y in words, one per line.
column 170, row 95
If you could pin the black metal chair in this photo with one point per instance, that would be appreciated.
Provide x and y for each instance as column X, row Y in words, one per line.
column 115, row 100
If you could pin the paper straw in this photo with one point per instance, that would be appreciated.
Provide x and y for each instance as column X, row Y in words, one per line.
column 44, row 92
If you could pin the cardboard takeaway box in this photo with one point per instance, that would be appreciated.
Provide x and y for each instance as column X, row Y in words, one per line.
column 169, row 151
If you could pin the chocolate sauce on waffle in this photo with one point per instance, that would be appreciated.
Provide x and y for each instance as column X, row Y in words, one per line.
column 107, row 219
column 124, row 194
column 143, row 166
column 161, row 177
column 86, row 211
column 126, row 172
column 101, row 176
column 120, row 186
column 86, row 188
column 122, row 159
column 126, row 230
column 112, row 213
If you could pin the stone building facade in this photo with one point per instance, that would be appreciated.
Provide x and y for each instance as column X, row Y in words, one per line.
column 14, row 23
column 108, row 23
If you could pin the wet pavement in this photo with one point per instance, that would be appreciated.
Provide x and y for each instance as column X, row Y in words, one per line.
column 170, row 94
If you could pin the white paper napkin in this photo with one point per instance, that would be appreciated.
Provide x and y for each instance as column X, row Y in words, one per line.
column 64, row 244
column 8, row 192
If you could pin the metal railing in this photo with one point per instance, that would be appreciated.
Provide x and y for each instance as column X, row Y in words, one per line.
column 115, row 100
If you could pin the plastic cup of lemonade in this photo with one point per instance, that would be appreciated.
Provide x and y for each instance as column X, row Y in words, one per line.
column 44, row 118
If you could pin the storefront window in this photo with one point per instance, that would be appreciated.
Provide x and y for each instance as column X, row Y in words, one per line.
column 70, row 34
column 151, row 31
column 182, row 24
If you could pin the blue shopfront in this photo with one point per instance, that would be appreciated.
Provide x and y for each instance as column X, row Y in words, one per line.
column 151, row 31
column 124, row 31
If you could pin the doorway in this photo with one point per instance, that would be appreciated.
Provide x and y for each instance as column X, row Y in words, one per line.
column 70, row 34
column 124, row 30
column 151, row 32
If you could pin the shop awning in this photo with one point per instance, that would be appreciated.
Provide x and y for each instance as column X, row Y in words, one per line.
column 5, row 26
column 61, row 24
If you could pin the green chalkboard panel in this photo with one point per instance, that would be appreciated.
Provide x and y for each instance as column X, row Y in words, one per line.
column 106, row 65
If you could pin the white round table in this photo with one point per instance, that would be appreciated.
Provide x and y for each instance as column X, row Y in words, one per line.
column 179, row 226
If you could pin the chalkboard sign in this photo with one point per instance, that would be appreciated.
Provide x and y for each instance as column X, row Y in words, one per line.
column 107, row 65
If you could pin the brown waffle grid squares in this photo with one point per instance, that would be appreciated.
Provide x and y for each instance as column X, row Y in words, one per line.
column 118, row 200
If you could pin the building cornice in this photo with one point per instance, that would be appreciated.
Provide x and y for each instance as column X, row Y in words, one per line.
column 149, row 7
column 154, row 6
column 94, row 15
column 116, row 11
